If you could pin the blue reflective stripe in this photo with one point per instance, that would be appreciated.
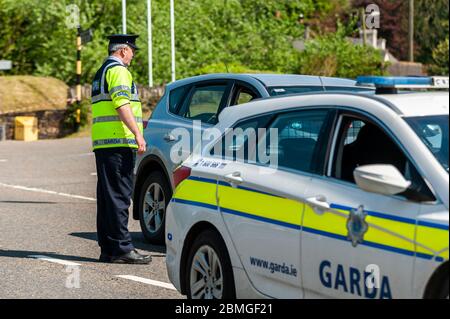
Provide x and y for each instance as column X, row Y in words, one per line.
column 394, row 218
column 310, row 230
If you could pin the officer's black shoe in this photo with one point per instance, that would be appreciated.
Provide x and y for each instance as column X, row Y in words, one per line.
column 133, row 257
column 104, row 258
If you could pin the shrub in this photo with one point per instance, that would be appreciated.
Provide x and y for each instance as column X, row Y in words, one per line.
column 441, row 59
column 334, row 55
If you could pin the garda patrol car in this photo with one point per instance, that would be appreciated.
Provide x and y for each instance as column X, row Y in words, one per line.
column 335, row 195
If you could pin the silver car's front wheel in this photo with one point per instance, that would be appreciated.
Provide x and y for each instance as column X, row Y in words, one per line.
column 209, row 273
column 206, row 275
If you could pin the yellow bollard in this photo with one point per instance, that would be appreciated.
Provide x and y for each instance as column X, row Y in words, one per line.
column 26, row 128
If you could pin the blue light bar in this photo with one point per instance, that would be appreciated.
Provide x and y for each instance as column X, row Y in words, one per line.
column 395, row 82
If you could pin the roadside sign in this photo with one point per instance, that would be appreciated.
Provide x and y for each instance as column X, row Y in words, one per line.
column 86, row 36
column 5, row 65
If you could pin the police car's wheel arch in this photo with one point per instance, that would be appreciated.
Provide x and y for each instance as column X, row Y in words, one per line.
column 198, row 230
column 155, row 179
column 438, row 285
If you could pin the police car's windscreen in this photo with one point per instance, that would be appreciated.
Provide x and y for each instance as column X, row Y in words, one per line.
column 289, row 90
column 433, row 131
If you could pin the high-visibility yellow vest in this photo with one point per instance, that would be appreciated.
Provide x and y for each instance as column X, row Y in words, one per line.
column 112, row 88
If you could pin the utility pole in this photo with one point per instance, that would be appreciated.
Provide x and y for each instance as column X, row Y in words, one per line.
column 172, row 33
column 364, row 27
column 78, row 87
column 411, row 30
column 150, row 43
column 124, row 16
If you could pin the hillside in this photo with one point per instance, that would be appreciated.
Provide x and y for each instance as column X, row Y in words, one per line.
column 31, row 93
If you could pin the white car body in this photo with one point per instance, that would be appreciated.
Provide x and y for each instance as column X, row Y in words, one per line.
column 283, row 244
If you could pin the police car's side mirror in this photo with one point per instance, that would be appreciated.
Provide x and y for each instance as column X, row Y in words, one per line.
column 380, row 179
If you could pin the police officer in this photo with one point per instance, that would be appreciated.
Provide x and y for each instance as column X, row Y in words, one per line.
column 116, row 136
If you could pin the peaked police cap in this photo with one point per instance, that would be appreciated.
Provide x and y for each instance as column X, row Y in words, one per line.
column 129, row 39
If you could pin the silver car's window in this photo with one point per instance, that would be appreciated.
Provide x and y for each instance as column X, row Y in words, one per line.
column 433, row 131
column 204, row 104
column 176, row 98
column 275, row 91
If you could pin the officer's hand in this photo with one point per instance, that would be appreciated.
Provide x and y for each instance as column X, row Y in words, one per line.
column 141, row 144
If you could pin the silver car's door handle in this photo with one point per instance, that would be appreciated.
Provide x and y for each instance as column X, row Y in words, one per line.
column 169, row 138
column 319, row 203
column 234, row 179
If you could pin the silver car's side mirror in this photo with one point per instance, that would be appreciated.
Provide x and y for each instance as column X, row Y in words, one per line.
column 381, row 179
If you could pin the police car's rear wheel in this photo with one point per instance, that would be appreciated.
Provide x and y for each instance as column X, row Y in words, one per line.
column 209, row 274
column 154, row 197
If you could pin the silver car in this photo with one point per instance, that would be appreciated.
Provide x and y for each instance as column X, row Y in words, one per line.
column 200, row 99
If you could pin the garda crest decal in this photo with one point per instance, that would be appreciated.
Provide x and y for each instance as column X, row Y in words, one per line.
column 357, row 225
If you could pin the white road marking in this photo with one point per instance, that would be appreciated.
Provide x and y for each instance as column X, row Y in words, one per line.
column 45, row 191
column 3, row 160
column 93, row 174
column 54, row 260
column 148, row 281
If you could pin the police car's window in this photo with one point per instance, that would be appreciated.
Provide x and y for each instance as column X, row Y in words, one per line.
column 363, row 143
column 240, row 142
column 298, row 139
column 176, row 98
column 433, row 131
column 205, row 103
column 353, row 131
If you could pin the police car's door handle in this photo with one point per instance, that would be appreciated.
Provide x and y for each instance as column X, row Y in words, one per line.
column 234, row 178
column 169, row 138
column 319, row 203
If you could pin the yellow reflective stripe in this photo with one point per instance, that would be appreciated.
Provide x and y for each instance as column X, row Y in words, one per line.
column 436, row 239
column 196, row 191
column 384, row 232
column 261, row 205
column 381, row 231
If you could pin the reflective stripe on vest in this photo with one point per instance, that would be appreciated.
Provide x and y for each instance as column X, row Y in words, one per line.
column 107, row 97
column 119, row 88
column 114, row 141
column 101, row 119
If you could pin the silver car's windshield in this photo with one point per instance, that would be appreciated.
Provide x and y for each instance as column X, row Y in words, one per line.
column 433, row 131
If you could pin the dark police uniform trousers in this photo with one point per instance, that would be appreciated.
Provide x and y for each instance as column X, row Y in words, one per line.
column 114, row 191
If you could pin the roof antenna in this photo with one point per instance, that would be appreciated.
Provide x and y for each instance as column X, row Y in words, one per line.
column 226, row 67
column 323, row 85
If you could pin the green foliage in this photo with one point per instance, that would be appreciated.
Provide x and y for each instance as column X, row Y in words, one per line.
column 72, row 115
column 441, row 59
column 244, row 34
column 227, row 68
column 334, row 55
column 431, row 27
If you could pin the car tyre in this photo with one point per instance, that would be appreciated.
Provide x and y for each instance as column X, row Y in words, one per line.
column 154, row 197
column 209, row 274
